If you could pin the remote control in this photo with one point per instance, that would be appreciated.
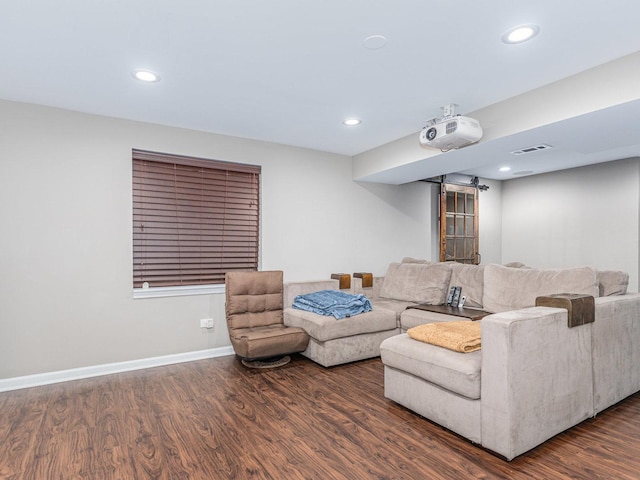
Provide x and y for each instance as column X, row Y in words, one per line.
column 450, row 296
column 456, row 297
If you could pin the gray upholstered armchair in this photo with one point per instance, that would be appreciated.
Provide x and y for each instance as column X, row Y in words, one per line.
column 253, row 308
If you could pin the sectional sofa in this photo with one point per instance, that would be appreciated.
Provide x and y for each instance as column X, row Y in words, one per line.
column 534, row 376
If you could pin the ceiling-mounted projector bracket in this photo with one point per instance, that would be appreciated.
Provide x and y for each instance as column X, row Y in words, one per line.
column 449, row 111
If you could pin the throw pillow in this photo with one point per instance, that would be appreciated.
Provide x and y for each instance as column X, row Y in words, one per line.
column 612, row 282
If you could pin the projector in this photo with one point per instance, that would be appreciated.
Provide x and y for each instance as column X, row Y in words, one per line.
column 451, row 132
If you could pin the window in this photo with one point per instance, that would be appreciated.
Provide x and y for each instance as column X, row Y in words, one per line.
column 193, row 219
column 459, row 223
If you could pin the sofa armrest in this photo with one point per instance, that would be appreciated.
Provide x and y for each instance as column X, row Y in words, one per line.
column 536, row 378
column 371, row 293
column 616, row 356
column 293, row 289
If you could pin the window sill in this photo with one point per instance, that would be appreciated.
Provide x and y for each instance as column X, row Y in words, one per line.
column 159, row 292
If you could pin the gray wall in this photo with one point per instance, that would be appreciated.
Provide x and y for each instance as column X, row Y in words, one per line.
column 490, row 211
column 65, row 250
column 65, row 210
column 582, row 216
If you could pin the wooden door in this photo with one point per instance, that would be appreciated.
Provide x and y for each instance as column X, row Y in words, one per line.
column 459, row 223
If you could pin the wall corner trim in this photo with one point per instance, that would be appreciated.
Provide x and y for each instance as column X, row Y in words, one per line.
column 48, row 378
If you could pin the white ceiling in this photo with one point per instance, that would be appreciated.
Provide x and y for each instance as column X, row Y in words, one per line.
column 289, row 71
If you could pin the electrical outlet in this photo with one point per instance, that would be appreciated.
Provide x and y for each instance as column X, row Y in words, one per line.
column 206, row 323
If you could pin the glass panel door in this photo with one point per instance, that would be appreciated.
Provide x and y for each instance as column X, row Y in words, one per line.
column 459, row 223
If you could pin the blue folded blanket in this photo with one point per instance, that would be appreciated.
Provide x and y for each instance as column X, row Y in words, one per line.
column 333, row 302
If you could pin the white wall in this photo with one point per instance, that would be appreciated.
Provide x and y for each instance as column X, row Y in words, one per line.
column 490, row 222
column 582, row 216
column 65, row 248
column 65, row 210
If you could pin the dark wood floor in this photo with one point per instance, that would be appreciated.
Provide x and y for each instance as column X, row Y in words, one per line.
column 215, row 419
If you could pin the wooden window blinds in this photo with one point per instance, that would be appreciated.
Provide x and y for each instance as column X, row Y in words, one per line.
column 193, row 219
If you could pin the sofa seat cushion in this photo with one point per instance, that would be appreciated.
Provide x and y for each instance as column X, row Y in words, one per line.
column 324, row 328
column 417, row 282
column 508, row 289
column 453, row 371
column 397, row 306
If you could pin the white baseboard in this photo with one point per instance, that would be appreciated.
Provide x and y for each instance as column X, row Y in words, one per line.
column 40, row 379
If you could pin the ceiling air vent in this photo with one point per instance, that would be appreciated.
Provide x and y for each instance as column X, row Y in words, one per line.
column 535, row 148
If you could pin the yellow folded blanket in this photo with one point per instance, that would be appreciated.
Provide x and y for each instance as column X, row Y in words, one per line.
column 462, row 336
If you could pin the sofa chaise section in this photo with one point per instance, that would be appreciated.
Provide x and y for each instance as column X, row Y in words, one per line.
column 334, row 342
column 531, row 380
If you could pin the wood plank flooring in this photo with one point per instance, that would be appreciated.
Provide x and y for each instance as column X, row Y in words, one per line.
column 215, row 419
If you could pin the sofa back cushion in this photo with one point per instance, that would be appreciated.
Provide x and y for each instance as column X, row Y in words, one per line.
column 417, row 282
column 415, row 260
column 611, row 282
column 514, row 288
column 470, row 278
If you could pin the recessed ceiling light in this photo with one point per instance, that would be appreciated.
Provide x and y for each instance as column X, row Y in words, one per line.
column 351, row 122
column 521, row 33
column 505, row 169
column 374, row 42
column 146, row 76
